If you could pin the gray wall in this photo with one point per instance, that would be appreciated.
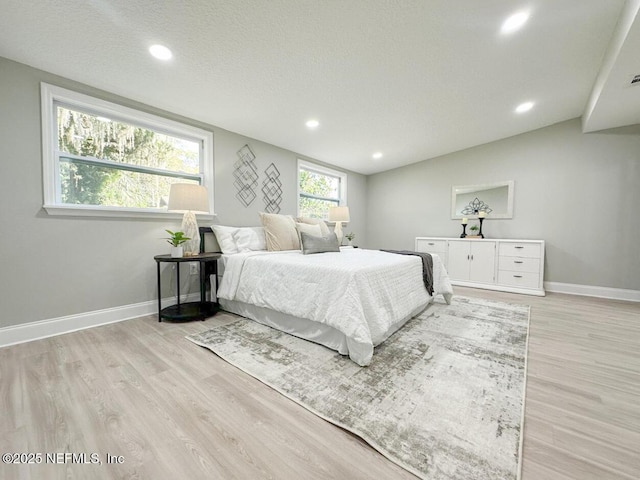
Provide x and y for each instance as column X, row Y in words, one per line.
column 578, row 192
column 54, row 266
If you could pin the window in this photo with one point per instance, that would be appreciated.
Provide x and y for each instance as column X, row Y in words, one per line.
column 318, row 189
column 100, row 158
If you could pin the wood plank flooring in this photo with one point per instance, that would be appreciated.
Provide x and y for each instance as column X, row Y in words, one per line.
column 139, row 390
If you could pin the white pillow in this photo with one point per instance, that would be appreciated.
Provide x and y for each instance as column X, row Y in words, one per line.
column 250, row 239
column 224, row 235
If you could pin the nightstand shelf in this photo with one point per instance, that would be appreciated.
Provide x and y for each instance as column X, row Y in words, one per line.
column 190, row 310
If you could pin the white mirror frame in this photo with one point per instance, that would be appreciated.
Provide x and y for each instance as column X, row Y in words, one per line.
column 466, row 189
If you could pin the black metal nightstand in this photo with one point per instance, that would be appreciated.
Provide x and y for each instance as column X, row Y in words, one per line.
column 190, row 310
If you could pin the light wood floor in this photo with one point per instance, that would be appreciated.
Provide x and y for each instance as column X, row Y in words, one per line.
column 174, row 410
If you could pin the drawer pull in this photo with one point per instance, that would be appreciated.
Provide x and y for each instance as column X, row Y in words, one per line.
column 517, row 276
column 518, row 246
column 430, row 243
column 517, row 261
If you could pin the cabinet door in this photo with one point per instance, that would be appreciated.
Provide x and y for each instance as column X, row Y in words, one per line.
column 459, row 256
column 483, row 262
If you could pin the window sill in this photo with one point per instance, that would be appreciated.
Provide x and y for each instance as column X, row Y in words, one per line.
column 114, row 212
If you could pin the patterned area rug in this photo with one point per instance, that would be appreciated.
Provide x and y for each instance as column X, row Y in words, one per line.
column 443, row 397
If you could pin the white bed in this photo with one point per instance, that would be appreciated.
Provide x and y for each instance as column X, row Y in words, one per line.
column 349, row 301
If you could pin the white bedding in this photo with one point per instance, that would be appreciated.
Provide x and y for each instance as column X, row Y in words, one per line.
column 365, row 294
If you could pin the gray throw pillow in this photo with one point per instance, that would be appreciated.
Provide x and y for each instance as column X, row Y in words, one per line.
column 315, row 244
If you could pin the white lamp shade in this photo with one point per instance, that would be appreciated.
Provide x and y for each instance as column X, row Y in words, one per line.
column 339, row 214
column 187, row 197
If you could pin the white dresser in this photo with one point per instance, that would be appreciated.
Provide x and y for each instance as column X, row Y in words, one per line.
column 495, row 264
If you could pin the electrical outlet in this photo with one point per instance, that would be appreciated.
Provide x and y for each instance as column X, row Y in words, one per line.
column 193, row 268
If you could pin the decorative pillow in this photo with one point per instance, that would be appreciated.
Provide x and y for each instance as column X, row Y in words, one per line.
column 308, row 228
column 280, row 232
column 250, row 239
column 224, row 236
column 313, row 244
column 315, row 221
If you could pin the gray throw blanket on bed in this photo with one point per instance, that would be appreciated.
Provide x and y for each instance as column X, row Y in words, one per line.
column 427, row 266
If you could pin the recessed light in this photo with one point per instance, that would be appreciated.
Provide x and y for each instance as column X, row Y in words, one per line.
column 160, row 52
column 377, row 155
column 524, row 107
column 312, row 123
column 514, row 22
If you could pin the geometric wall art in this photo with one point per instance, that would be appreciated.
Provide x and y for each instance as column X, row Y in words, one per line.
column 272, row 189
column 245, row 176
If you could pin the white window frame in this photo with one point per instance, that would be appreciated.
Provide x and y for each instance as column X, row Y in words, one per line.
column 306, row 165
column 52, row 95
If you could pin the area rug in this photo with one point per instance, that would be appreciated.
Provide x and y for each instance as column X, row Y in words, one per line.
column 443, row 397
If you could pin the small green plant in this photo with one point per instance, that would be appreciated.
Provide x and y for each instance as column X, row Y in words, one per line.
column 176, row 239
column 350, row 236
column 474, row 228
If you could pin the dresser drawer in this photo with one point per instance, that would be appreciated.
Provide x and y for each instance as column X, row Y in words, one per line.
column 431, row 245
column 517, row 249
column 519, row 279
column 519, row 264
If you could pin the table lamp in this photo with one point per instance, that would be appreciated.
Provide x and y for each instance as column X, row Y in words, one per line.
column 339, row 215
column 190, row 199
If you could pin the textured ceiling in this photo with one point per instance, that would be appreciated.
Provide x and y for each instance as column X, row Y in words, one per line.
column 412, row 79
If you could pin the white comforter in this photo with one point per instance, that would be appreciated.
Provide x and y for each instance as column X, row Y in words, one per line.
column 365, row 294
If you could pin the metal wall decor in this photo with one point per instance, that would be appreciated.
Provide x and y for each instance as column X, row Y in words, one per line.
column 272, row 189
column 245, row 176
column 476, row 206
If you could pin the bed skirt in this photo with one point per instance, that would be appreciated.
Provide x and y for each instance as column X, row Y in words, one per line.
column 310, row 330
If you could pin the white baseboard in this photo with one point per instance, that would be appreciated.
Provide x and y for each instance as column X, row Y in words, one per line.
column 56, row 326
column 592, row 291
column 500, row 288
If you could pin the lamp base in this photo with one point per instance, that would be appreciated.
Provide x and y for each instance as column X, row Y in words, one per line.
column 338, row 230
column 190, row 229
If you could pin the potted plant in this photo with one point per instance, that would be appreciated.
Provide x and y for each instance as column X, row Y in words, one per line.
column 474, row 231
column 350, row 237
column 176, row 240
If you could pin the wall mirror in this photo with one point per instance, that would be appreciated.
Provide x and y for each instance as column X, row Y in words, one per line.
column 495, row 199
